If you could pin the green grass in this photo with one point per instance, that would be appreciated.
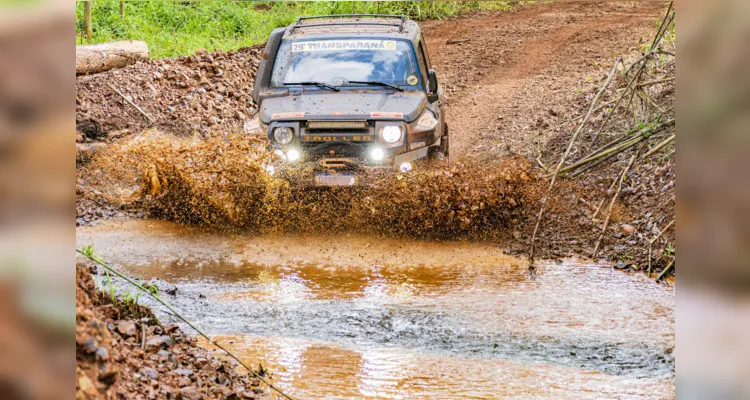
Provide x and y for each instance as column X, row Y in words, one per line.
column 173, row 28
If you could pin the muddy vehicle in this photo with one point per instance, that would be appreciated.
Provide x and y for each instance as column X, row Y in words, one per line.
column 345, row 96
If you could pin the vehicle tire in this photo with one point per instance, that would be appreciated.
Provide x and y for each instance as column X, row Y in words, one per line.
column 445, row 142
column 440, row 153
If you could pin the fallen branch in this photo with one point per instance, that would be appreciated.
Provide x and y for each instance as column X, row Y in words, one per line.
column 642, row 135
column 665, row 271
column 599, row 207
column 619, row 100
column 95, row 58
column 612, row 203
column 659, row 146
column 651, row 245
column 565, row 156
column 644, row 84
column 148, row 117
column 458, row 41
column 669, row 53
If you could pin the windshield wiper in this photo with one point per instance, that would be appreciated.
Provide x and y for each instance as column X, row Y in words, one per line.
column 394, row 87
column 318, row 84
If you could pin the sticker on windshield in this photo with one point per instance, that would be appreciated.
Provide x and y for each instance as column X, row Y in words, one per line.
column 320, row 45
column 412, row 80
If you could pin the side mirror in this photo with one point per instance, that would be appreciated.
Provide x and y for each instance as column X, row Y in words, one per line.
column 432, row 94
column 432, row 80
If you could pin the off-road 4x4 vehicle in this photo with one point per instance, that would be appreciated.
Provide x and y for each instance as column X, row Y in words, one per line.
column 349, row 95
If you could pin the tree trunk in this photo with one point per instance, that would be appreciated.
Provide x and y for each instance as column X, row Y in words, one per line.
column 93, row 58
column 87, row 19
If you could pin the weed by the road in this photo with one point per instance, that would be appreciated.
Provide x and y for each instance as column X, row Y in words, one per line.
column 173, row 28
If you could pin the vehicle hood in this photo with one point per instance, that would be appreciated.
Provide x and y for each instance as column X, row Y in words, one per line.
column 343, row 105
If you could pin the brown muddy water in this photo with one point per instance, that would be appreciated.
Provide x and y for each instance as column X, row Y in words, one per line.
column 351, row 316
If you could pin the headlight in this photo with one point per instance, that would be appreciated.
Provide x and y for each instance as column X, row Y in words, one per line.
column 283, row 135
column 252, row 125
column 391, row 134
column 426, row 122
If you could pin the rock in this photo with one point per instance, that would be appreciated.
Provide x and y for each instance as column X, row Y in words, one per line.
column 90, row 344
column 149, row 373
column 102, row 354
column 163, row 354
column 80, row 138
column 621, row 266
column 108, row 375
column 200, row 362
column 158, row 342
column 118, row 133
column 87, row 386
column 190, row 393
column 126, row 328
column 183, row 371
column 627, row 229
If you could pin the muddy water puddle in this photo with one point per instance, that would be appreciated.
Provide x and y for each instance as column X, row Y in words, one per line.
column 370, row 317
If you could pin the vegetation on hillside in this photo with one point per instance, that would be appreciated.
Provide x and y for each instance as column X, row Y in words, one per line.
column 173, row 28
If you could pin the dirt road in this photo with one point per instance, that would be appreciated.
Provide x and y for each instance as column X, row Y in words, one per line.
column 519, row 70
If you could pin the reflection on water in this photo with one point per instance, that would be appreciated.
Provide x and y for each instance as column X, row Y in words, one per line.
column 312, row 370
column 364, row 317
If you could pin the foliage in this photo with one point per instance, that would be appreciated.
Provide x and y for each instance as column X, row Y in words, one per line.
column 173, row 28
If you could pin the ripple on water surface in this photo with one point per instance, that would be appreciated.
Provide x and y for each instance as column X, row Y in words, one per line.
column 372, row 317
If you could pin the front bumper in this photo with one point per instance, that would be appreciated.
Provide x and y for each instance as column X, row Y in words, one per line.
column 336, row 171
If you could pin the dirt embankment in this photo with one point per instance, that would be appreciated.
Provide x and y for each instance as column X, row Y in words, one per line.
column 183, row 96
column 123, row 352
column 512, row 80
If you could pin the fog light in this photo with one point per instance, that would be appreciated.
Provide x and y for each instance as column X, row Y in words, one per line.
column 377, row 154
column 292, row 155
column 405, row 167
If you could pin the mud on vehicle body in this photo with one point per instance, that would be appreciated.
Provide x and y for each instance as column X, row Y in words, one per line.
column 346, row 96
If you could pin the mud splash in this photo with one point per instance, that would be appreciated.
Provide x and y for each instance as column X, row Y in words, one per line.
column 221, row 181
column 359, row 316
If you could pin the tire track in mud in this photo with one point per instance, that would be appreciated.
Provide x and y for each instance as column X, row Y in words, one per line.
column 518, row 67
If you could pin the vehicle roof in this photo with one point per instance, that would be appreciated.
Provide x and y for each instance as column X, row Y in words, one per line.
column 336, row 26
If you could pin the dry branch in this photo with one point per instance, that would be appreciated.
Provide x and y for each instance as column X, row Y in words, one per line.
column 630, row 142
column 651, row 245
column 565, row 156
column 140, row 110
column 659, row 146
column 666, row 269
column 640, row 85
column 612, row 203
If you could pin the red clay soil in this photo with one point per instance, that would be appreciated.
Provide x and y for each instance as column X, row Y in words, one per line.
column 122, row 352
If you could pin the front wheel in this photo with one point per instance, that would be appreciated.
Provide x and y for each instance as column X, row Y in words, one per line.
column 441, row 152
column 444, row 142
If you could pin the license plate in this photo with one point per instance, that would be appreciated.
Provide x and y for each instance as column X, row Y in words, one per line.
column 335, row 179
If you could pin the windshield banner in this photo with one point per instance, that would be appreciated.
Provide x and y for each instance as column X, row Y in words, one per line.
column 319, row 45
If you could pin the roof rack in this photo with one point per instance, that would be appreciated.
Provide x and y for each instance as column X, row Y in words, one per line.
column 299, row 23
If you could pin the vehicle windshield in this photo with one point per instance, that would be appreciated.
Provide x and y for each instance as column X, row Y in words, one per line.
column 335, row 62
